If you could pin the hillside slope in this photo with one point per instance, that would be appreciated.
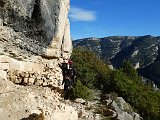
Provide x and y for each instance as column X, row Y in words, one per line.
column 124, row 82
column 141, row 51
column 152, row 71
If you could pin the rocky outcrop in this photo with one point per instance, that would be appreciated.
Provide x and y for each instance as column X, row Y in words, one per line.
column 35, row 27
column 118, row 108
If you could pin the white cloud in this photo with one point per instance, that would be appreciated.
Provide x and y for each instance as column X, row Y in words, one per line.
column 78, row 14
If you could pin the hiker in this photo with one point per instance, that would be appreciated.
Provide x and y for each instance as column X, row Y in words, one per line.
column 69, row 74
column 64, row 66
column 72, row 71
column 67, row 85
column 66, row 82
column 73, row 75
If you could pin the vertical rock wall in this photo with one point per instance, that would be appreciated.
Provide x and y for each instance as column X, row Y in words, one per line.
column 38, row 27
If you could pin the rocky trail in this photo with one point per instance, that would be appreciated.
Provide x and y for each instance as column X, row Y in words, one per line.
column 19, row 102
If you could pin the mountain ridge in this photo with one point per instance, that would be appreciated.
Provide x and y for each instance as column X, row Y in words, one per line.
column 140, row 50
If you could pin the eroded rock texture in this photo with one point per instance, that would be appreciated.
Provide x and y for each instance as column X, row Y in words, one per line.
column 38, row 27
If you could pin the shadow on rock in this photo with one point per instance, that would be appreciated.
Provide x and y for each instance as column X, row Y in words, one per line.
column 34, row 116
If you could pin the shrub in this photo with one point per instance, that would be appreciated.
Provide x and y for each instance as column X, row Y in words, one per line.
column 92, row 71
column 140, row 96
column 79, row 91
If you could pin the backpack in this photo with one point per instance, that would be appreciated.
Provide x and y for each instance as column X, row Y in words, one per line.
column 67, row 82
column 71, row 72
column 64, row 65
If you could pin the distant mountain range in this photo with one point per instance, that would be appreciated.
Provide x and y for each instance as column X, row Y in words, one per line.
column 142, row 51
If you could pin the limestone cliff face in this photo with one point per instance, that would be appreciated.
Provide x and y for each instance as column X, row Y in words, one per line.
column 38, row 27
column 34, row 39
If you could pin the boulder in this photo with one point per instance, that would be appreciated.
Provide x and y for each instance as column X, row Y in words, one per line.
column 125, row 116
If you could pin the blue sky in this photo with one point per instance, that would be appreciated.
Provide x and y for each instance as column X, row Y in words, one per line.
column 101, row 18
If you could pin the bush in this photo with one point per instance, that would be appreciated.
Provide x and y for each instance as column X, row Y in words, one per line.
column 92, row 71
column 140, row 96
column 79, row 91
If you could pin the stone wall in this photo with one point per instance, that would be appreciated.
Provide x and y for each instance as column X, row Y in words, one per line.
column 37, row 71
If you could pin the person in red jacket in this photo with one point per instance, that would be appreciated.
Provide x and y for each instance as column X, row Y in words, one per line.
column 70, row 62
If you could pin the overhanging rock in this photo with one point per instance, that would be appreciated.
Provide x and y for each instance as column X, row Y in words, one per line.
column 36, row 27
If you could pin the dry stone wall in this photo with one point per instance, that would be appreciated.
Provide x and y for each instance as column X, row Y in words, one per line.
column 37, row 71
column 50, row 77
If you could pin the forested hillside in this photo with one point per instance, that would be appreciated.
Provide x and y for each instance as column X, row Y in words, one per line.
column 141, row 51
column 125, row 82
